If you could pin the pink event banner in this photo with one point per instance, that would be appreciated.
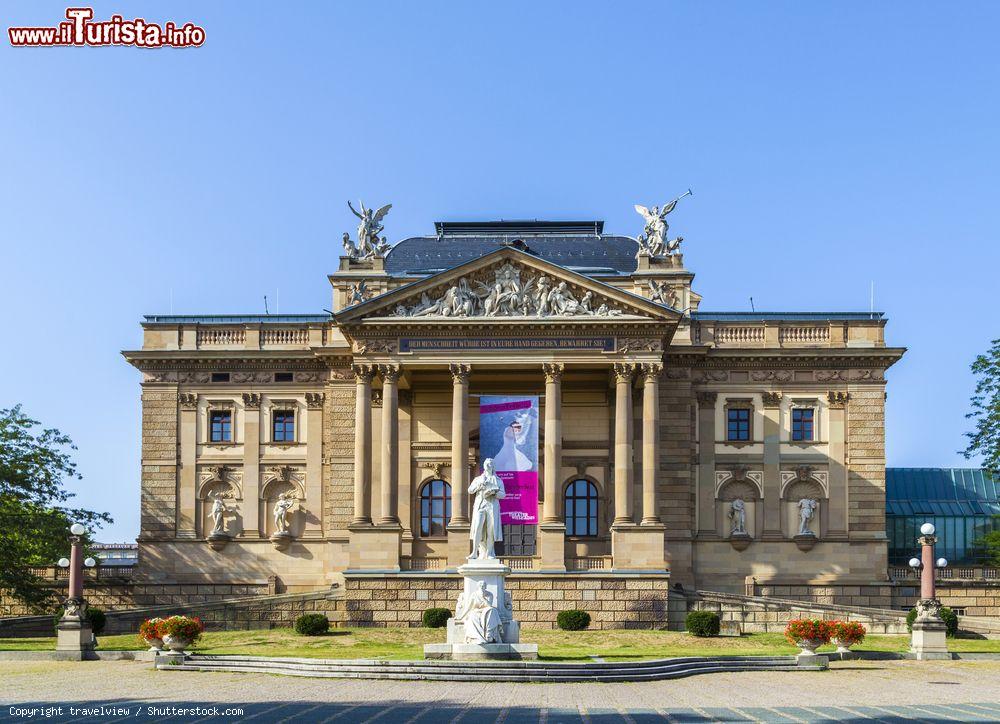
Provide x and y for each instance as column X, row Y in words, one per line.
column 508, row 433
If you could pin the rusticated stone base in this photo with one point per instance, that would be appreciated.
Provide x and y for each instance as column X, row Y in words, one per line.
column 613, row 601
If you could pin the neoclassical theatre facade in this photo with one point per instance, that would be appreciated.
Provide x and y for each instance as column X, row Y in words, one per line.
column 715, row 451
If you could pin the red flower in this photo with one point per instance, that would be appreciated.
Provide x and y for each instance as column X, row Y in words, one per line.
column 849, row 632
column 808, row 629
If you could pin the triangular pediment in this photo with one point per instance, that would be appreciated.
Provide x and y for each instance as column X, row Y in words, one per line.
column 506, row 285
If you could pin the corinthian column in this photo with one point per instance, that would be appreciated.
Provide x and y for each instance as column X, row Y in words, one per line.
column 650, row 441
column 553, row 441
column 623, row 443
column 390, row 445
column 459, row 443
column 363, row 445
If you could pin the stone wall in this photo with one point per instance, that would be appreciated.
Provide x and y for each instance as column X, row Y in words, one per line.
column 158, row 493
column 866, row 469
column 674, row 477
column 254, row 612
column 338, row 457
column 613, row 601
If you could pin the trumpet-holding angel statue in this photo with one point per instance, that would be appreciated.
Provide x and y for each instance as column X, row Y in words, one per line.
column 653, row 240
column 369, row 244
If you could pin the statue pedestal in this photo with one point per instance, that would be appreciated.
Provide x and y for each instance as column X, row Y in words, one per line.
column 74, row 634
column 488, row 575
column 281, row 540
column 805, row 541
column 928, row 639
column 218, row 541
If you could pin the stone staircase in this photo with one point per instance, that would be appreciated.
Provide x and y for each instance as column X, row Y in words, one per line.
column 507, row 671
column 766, row 614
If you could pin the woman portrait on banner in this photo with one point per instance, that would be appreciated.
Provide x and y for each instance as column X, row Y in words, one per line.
column 515, row 434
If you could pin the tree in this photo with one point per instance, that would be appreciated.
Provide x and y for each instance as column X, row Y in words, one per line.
column 34, row 522
column 985, row 440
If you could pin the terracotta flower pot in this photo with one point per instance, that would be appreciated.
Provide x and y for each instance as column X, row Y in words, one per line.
column 155, row 644
column 176, row 644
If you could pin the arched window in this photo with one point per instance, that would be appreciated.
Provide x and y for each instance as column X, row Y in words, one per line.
column 581, row 508
column 435, row 508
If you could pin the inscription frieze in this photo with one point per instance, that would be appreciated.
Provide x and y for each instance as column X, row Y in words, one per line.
column 430, row 344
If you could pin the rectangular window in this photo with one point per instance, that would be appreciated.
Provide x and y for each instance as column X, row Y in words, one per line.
column 221, row 426
column 802, row 423
column 738, row 424
column 282, row 376
column 220, row 377
column 283, row 426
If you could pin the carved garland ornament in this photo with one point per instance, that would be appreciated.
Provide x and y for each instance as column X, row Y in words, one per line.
column 506, row 294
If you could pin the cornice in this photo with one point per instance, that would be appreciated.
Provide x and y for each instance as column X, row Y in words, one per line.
column 712, row 358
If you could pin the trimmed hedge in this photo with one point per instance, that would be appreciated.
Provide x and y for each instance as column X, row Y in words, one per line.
column 949, row 617
column 94, row 615
column 702, row 623
column 312, row 624
column 435, row 617
column 573, row 620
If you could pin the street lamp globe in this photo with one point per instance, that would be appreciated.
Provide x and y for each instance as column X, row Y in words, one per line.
column 64, row 562
column 942, row 562
column 77, row 529
column 927, row 529
column 914, row 563
column 90, row 562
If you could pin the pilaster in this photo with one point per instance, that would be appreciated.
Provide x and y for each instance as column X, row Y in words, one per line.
column 314, row 464
column 772, row 466
column 706, row 462
column 837, row 414
column 251, row 465
column 188, row 480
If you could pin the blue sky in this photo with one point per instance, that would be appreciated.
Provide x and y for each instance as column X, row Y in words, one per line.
column 829, row 145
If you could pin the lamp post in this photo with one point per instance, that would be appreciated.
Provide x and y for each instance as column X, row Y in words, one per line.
column 73, row 632
column 928, row 637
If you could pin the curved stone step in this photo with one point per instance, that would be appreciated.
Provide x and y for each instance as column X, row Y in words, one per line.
column 489, row 671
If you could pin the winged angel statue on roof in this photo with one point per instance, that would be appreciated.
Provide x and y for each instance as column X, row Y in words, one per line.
column 653, row 240
column 369, row 244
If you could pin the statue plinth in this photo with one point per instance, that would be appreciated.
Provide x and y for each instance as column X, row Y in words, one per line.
column 282, row 539
column 74, row 632
column 484, row 609
column 218, row 540
column 740, row 541
column 805, row 541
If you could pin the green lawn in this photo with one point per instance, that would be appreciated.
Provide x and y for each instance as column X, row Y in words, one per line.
column 407, row 643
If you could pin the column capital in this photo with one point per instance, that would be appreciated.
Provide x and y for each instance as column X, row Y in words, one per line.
column 771, row 399
column 707, row 398
column 314, row 400
column 553, row 371
column 188, row 401
column 838, row 399
column 651, row 371
column 624, row 371
column 251, row 400
column 390, row 373
column 460, row 373
column 363, row 373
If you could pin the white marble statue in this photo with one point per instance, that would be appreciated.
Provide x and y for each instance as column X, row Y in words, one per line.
column 282, row 512
column 480, row 616
column 738, row 514
column 486, row 529
column 218, row 515
column 807, row 510
column 653, row 240
column 369, row 245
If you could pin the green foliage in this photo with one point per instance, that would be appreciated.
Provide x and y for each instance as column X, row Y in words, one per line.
column 985, row 439
column 573, row 620
column 34, row 523
column 949, row 617
column 991, row 543
column 94, row 615
column 702, row 623
column 435, row 617
column 312, row 624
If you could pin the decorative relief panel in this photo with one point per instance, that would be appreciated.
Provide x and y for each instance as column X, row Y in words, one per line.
column 508, row 290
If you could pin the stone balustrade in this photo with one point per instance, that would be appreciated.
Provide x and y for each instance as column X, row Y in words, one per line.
column 220, row 336
column 783, row 333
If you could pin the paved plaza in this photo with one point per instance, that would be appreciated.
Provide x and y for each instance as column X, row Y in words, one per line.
column 862, row 691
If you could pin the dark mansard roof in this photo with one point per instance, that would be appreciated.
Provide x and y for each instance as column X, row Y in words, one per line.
column 577, row 245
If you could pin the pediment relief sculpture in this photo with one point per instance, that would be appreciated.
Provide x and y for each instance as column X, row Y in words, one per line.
column 508, row 290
